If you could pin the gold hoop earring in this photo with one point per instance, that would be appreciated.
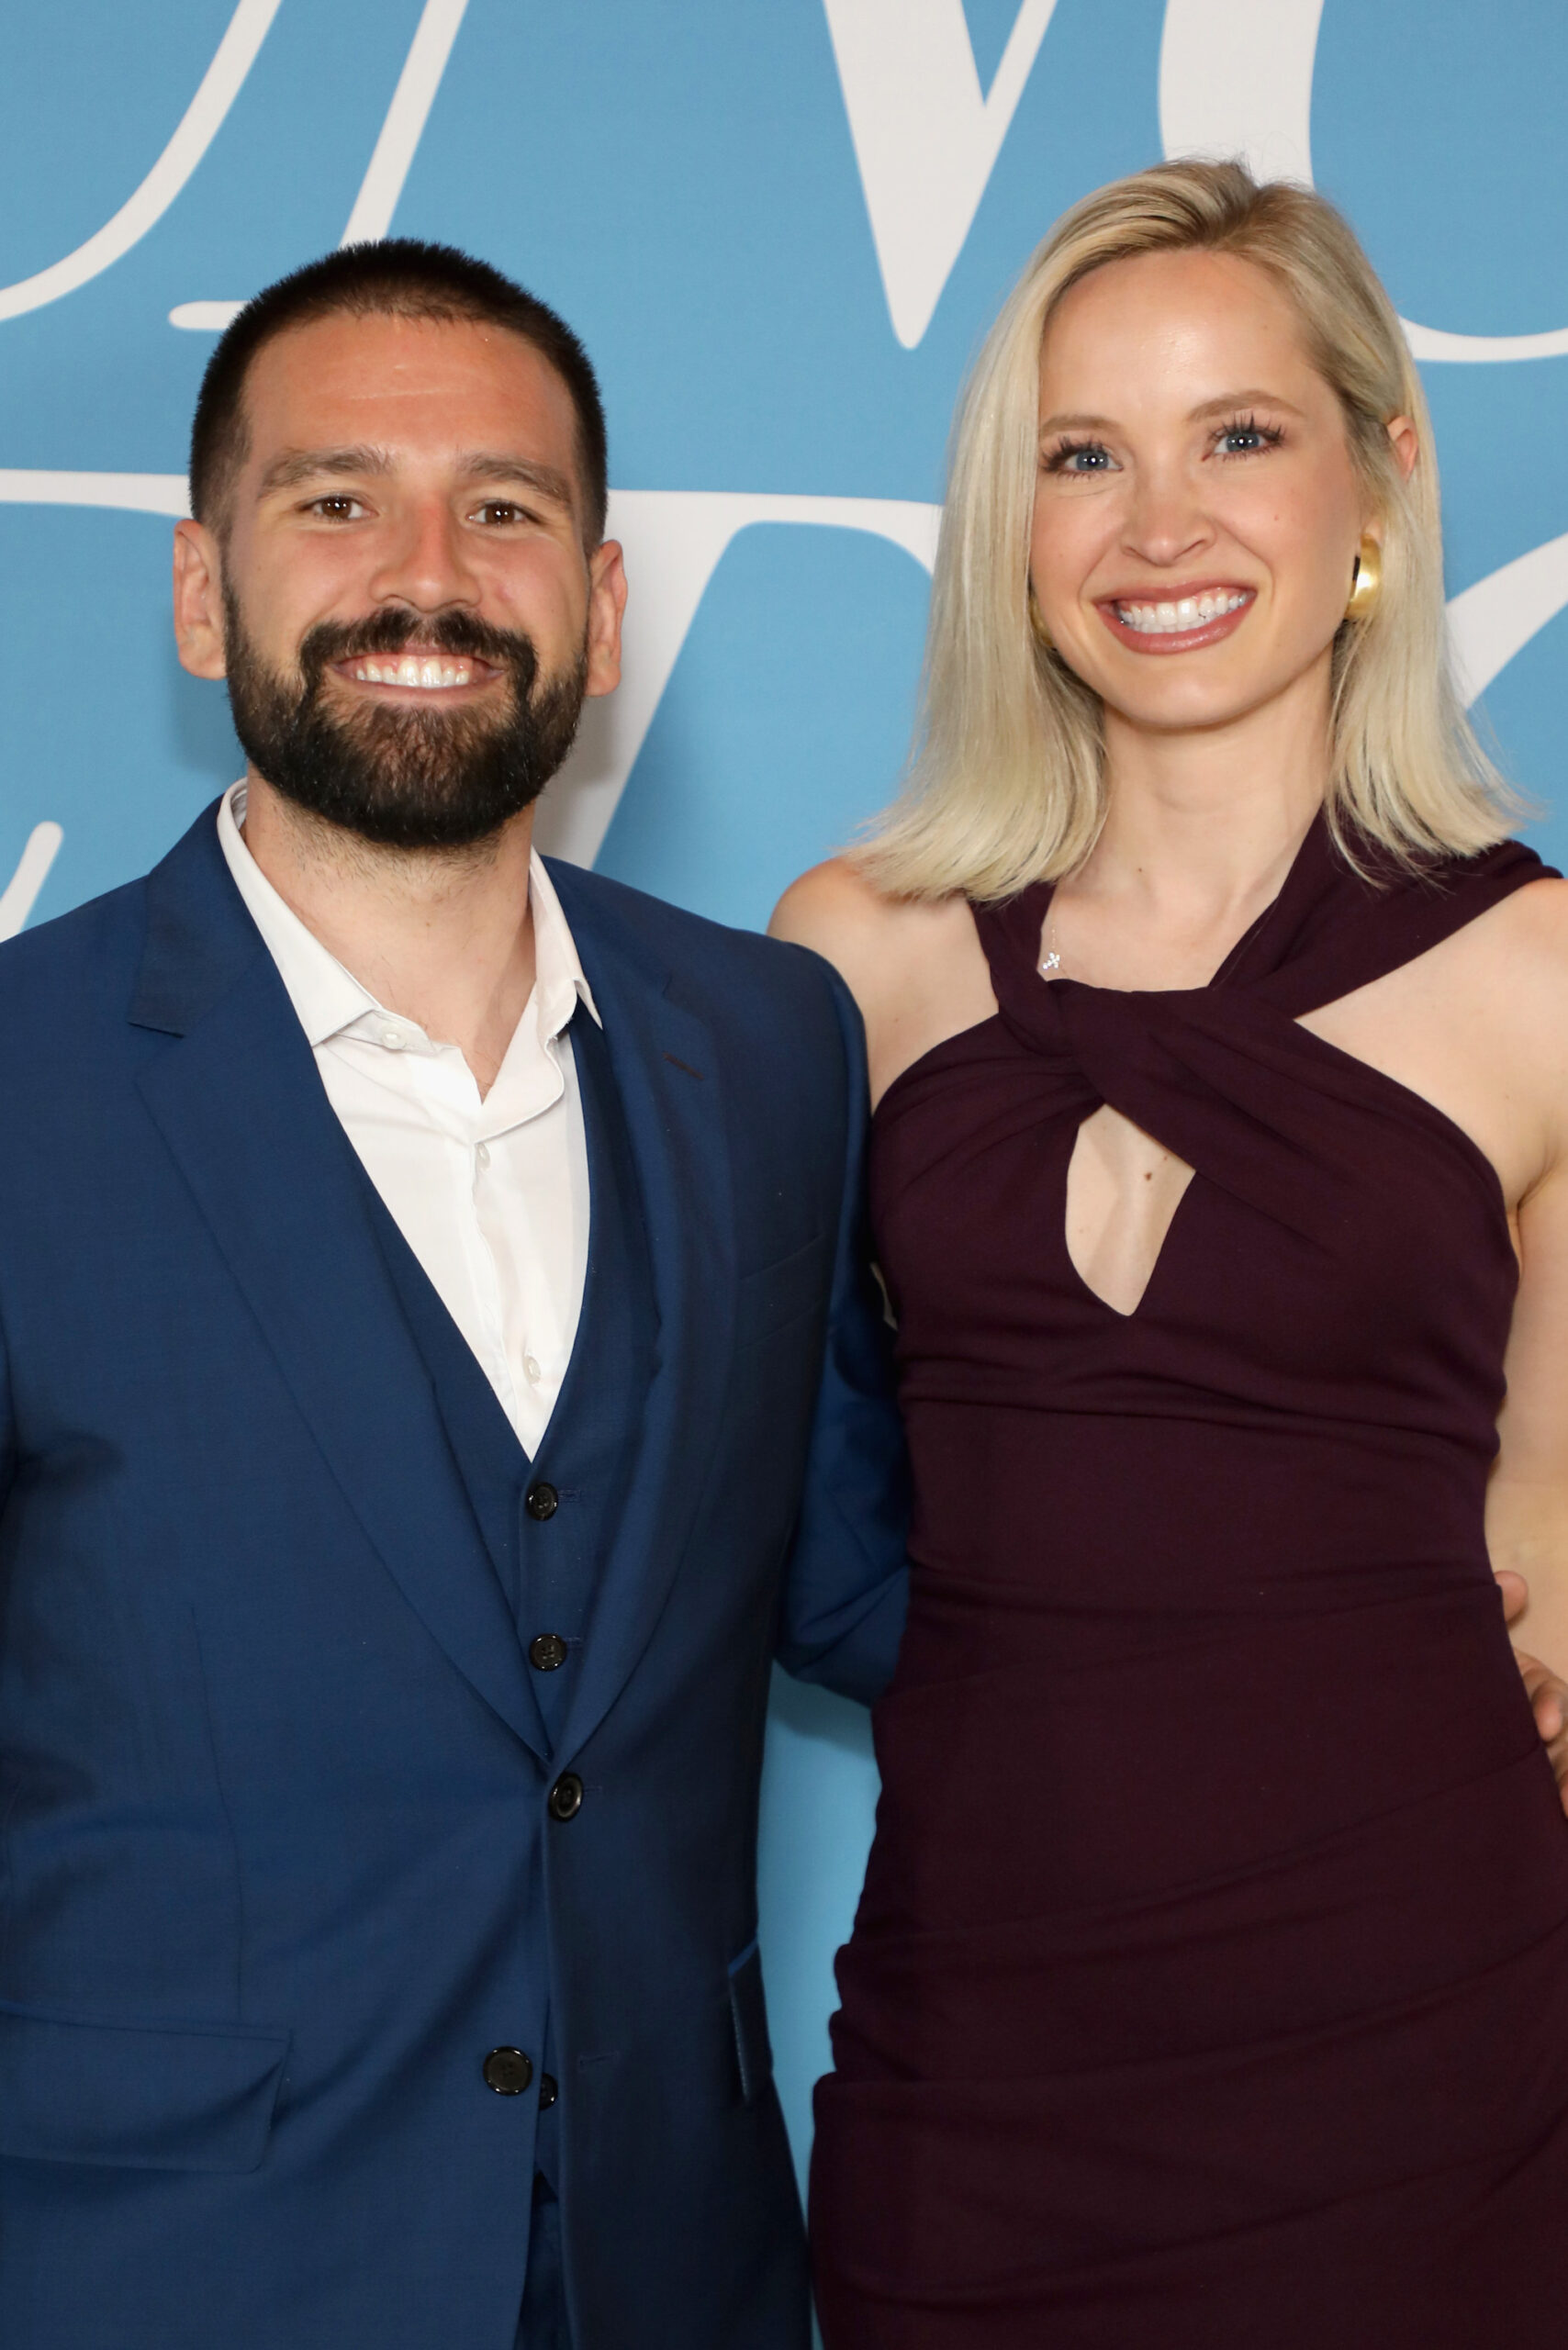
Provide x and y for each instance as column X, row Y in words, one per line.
column 1366, row 581
column 1038, row 628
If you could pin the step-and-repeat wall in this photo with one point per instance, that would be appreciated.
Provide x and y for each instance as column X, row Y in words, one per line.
column 780, row 228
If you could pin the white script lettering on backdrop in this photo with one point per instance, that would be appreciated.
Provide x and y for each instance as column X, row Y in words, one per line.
column 925, row 138
column 1219, row 96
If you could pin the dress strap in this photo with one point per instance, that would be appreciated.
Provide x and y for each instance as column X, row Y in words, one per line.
column 1332, row 929
column 1009, row 934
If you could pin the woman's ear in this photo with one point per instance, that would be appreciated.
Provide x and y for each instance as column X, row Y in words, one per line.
column 1406, row 445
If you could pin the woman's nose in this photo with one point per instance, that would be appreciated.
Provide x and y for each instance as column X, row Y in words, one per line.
column 1166, row 519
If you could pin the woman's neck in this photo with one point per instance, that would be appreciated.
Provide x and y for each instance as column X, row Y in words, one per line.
column 1201, row 829
column 1201, row 823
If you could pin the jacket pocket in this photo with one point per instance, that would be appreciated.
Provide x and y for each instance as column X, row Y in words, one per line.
column 748, row 2013
column 146, row 2098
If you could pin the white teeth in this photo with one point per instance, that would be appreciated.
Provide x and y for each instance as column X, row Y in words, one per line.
column 432, row 672
column 1170, row 620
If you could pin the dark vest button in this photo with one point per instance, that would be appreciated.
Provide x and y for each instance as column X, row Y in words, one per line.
column 508, row 2071
column 547, row 1651
column 541, row 1500
column 548, row 2091
column 566, row 1797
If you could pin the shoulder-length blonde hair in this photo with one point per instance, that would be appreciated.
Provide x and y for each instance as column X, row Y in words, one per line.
column 1007, row 782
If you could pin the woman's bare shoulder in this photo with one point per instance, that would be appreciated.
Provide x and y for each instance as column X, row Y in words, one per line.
column 913, row 966
column 1515, row 955
column 870, row 938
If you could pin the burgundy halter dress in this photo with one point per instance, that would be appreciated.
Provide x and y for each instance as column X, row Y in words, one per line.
column 1210, row 1984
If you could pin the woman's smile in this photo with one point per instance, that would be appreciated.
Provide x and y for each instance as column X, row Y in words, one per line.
column 1179, row 620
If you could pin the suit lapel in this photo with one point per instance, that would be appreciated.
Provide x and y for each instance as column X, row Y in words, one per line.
column 666, row 1070
column 239, row 1101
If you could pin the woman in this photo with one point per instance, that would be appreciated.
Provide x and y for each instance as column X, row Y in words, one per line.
column 1210, row 1985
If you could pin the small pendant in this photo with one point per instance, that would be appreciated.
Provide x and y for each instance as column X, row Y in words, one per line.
column 1049, row 963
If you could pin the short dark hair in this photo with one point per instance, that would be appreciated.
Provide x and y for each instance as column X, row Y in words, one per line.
column 398, row 277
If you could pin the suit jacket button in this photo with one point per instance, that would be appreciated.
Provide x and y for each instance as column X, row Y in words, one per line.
column 542, row 1500
column 566, row 1797
column 508, row 2071
column 548, row 2091
column 546, row 1652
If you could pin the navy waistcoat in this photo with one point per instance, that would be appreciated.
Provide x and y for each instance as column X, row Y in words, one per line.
column 548, row 1554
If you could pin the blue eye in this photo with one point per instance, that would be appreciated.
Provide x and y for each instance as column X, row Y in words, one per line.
column 1248, row 438
column 1080, row 457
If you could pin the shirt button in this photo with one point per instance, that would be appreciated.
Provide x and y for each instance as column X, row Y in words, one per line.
column 392, row 1039
column 483, row 1154
column 541, row 1500
column 566, row 1797
column 508, row 2071
column 531, row 1364
column 546, row 1652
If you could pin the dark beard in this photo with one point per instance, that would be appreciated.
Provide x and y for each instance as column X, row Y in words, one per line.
column 407, row 777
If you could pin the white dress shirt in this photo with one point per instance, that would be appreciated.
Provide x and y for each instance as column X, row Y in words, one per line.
column 491, row 1195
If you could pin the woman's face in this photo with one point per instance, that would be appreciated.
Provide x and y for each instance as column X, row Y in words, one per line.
column 1196, row 514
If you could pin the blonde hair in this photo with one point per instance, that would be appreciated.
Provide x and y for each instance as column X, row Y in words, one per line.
column 1007, row 783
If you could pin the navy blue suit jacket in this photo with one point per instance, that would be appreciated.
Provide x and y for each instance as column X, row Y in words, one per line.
column 273, row 1785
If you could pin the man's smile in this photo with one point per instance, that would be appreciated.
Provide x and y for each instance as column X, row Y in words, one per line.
column 419, row 672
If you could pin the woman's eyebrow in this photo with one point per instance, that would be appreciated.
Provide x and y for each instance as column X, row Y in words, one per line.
column 1259, row 396
column 1254, row 396
column 1079, row 424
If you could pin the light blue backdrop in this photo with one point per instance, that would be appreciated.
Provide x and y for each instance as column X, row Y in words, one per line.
column 780, row 227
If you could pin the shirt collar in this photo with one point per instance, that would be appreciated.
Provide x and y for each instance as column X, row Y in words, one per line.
column 329, row 999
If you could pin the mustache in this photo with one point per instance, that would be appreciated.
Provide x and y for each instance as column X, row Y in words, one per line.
column 393, row 630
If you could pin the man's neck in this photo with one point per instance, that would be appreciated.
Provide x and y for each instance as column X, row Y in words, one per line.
column 442, row 936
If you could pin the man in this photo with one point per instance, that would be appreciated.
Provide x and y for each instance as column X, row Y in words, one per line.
column 429, row 1283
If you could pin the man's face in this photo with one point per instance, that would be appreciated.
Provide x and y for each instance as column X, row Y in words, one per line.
column 402, row 604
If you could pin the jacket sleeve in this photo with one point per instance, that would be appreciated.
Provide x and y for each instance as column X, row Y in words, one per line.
column 8, row 1428
column 847, row 1582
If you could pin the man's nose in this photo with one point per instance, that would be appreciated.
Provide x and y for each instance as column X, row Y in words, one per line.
column 423, row 561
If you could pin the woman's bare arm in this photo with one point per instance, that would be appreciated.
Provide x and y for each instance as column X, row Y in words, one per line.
column 1527, row 1506
column 916, row 970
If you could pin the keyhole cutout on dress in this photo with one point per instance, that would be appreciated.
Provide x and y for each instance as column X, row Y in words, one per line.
column 1122, row 1189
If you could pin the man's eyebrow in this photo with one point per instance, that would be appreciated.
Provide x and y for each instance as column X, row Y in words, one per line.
column 491, row 466
column 505, row 466
column 291, row 467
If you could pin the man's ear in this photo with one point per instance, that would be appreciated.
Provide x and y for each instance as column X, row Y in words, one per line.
column 607, row 602
column 198, row 600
